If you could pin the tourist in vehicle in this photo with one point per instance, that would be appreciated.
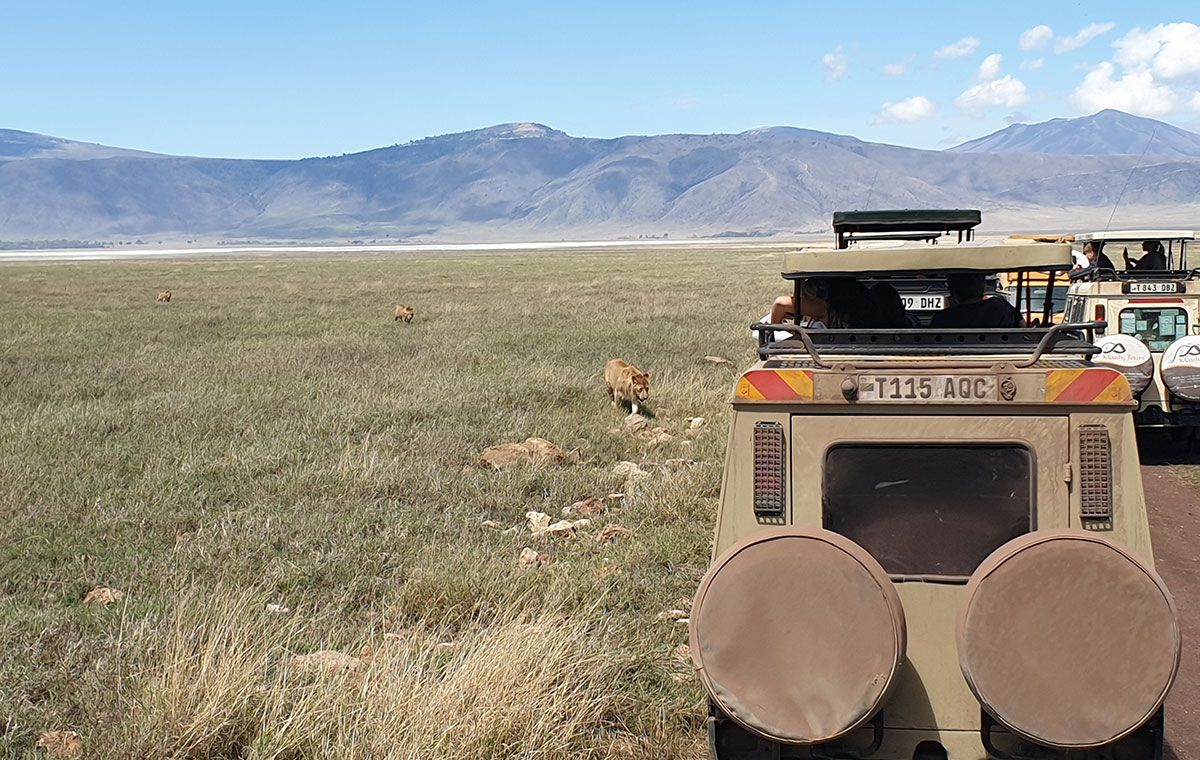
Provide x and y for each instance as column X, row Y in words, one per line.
column 889, row 307
column 814, row 305
column 970, row 308
column 1154, row 257
column 833, row 302
column 849, row 305
column 1096, row 258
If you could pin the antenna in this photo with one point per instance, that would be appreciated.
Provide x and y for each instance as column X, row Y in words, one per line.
column 871, row 191
column 1129, row 176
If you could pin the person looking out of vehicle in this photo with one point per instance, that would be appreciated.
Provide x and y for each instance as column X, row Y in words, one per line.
column 1153, row 258
column 1096, row 259
column 970, row 308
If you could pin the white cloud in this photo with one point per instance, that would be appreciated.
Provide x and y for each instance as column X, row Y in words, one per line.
column 1033, row 64
column 1082, row 37
column 835, row 65
column 991, row 89
column 1135, row 92
column 1034, row 37
column 897, row 69
column 1006, row 91
column 965, row 46
column 1195, row 103
column 1171, row 51
column 909, row 109
column 990, row 68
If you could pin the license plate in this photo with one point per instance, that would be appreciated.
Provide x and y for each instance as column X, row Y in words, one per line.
column 1153, row 287
column 924, row 303
column 927, row 388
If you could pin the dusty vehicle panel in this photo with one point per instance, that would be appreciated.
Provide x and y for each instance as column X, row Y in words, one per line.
column 933, row 451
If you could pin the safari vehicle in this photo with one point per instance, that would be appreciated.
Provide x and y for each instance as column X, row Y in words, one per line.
column 1153, row 319
column 933, row 544
column 923, row 296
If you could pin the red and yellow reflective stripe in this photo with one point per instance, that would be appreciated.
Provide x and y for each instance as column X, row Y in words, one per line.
column 1100, row 385
column 776, row 385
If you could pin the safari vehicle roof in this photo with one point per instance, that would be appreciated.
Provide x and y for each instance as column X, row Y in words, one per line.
column 900, row 220
column 921, row 259
column 1130, row 236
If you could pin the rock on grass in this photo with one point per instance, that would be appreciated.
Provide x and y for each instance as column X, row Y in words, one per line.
column 102, row 596
column 60, row 744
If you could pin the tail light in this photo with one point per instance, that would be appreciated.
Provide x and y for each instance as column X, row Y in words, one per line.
column 1095, row 474
column 1100, row 313
column 770, row 470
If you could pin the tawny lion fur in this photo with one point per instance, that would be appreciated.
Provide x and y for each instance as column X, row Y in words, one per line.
column 164, row 296
column 626, row 384
column 404, row 313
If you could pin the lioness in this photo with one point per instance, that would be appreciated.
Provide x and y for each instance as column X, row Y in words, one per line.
column 404, row 312
column 164, row 296
column 626, row 384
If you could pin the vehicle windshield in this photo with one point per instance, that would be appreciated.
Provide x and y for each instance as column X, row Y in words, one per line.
column 1157, row 327
column 1037, row 296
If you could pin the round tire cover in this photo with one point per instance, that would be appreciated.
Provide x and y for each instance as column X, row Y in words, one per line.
column 1181, row 367
column 1130, row 356
column 1067, row 639
column 798, row 634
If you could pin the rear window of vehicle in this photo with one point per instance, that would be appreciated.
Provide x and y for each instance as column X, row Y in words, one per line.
column 1156, row 327
column 929, row 510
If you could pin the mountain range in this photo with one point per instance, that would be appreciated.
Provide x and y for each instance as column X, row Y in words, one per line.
column 527, row 181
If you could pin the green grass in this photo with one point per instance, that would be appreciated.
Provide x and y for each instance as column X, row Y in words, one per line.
column 273, row 436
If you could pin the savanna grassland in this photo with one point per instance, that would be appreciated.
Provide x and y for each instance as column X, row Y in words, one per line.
column 270, row 466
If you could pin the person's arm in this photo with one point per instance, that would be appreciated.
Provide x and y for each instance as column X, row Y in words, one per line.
column 783, row 309
column 1125, row 255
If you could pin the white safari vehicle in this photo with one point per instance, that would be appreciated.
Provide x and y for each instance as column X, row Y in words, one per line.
column 1153, row 317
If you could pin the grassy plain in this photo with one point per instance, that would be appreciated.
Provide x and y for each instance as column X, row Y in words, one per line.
column 272, row 437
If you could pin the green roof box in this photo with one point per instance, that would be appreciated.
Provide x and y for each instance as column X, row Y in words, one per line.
column 904, row 224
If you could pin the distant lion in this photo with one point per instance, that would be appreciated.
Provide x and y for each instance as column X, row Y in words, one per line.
column 405, row 313
column 626, row 384
column 164, row 296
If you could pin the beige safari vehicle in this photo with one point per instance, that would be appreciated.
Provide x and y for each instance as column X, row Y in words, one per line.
column 1153, row 319
column 933, row 544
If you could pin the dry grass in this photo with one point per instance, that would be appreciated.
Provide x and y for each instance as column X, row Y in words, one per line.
column 220, row 680
column 272, row 430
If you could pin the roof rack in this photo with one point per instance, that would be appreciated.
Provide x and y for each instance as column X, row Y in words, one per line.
column 919, row 224
column 1024, row 347
column 1096, row 274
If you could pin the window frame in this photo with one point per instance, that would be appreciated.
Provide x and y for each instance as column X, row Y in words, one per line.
column 1032, row 480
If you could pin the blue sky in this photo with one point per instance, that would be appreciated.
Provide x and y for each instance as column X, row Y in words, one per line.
column 285, row 80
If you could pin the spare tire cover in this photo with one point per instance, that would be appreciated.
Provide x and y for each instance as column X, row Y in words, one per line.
column 1181, row 367
column 1128, row 355
column 1068, row 639
column 798, row 634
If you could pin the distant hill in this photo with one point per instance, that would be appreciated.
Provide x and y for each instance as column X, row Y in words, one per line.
column 1107, row 133
column 17, row 144
column 527, row 181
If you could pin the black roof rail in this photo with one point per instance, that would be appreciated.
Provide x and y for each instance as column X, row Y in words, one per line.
column 956, row 346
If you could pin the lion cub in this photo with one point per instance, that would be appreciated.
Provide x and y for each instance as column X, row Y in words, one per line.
column 405, row 313
column 626, row 384
column 164, row 296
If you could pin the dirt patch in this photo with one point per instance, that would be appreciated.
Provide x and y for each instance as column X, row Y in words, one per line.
column 1174, row 507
